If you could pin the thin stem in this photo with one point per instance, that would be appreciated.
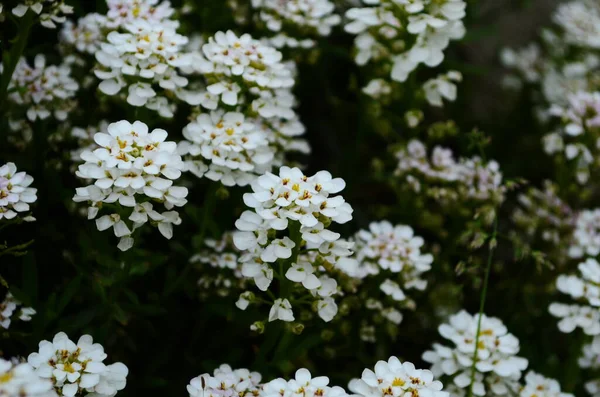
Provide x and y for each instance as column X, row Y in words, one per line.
column 296, row 237
column 208, row 208
column 486, row 277
column 12, row 58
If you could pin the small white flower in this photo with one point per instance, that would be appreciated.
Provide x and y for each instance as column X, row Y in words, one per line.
column 20, row 379
column 72, row 367
column 496, row 363
column 128, row 163
column 225, row 381
column 303, row 273
column 401, row 377
column 537, row 385
column 15, row 193
column 43, row 90
column 281, row 310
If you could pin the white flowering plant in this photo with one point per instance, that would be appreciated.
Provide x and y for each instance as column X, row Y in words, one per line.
column 299, row 198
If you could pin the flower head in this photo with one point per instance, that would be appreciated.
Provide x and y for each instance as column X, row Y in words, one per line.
column 74, row 367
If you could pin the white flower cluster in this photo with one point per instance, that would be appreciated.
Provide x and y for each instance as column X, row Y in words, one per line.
column 303, row 384
column 87, row 35
column 397, row 379
column 570, row 93
column 225, row 382
column 585, row 289
column 122, row 12
column 20, row 380
column 305, row 206
column 586, row 236
column 497, row 364
column 234, row 148
column 144, row 60
column 580, row 21
column 591, row 359
column 43, row 90
column 537, row 385
column 8, row 308
column 250, row 122
column 445, row 179
column 223, row 257
column 133, row 171
column 544, row 213
column 580, row 125
column 392, row 254
column 77, row 368
column 15, row 193
column 569, row 61
column 386, row 27
column 390, row 378
column 526, row 61
column 306, row 17
column 51, row 12
column 85, row 139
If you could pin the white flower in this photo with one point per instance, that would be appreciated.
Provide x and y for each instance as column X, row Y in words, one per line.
column 54, row 11
column 496, row 362
column 145, row 60
column 87, row 35
column 442, row 87
column 8, row 308
column 310, row 16
column 234, row 150
column 581, row 22
column 21, row 380
column 122, row 12
column 225, row 382
column 73, row 367
column 397, row 379
column 132, row 166
column 583, row 289
column 377, row 88
column 302, row 384
column 393, row 289
column 43, row 90
column 382, row 32
column 245, row 57
column 281, row 310
column 327, row 309
column 537, row 385
column 586, row 236
column 526, row 61
column 303, row 273
column 447, row 179
column 247, row 89
column 15, row 193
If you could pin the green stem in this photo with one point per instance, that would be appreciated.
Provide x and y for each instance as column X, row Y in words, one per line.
column 272, row 334
column 296, row 237
column 208, row 208
column 482, row 302
column 12, row 58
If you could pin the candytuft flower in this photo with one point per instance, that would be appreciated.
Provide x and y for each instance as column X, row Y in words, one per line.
column 78, row 367
column 135, row 168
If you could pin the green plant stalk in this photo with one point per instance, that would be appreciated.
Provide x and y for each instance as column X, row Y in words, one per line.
column 296, row 237
column 14, row 55
column 208, row 208
column 482, row 297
